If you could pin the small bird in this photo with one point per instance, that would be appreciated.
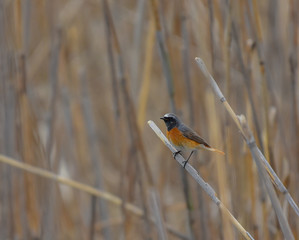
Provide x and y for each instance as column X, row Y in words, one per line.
column 183, row 137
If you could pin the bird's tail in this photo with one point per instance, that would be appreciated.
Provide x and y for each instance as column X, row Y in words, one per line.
column 214, row 150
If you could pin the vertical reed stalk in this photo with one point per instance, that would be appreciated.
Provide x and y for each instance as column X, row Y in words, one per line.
column 146, row 76
column 134, row 131
column 163, row 55
column 96, row 160
column 53, row 77
column 247, row 83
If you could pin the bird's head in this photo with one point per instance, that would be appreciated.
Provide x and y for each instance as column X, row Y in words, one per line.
column 171, row 121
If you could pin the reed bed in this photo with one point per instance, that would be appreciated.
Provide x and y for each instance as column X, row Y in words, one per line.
column 81, row 78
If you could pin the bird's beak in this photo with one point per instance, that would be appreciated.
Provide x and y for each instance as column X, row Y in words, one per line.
column 162, row 118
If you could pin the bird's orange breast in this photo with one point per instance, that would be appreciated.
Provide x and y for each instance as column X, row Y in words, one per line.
column 178, row 139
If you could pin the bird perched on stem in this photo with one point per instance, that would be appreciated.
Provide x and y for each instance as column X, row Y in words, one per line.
column 183, row 137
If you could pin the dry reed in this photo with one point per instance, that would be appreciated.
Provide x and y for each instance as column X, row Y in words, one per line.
column 78, row 79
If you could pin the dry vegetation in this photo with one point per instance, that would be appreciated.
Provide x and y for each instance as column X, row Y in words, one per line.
column 79, row 80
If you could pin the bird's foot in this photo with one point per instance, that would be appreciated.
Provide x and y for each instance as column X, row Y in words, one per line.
column 176, row 153
column 184, row 163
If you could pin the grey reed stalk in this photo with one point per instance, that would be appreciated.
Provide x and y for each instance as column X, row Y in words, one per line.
column 95, row 155
column 258, row 157
column 205, row 186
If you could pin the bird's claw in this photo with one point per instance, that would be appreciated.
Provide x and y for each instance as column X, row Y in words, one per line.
column 176, row 153
column 184, row 163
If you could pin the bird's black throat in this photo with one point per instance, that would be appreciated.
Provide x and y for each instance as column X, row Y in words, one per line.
column 170, row 125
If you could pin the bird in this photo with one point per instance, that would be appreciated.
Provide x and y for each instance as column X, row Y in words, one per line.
column 183, row 137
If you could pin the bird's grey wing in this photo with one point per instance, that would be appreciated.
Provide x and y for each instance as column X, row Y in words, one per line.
column 189, row 133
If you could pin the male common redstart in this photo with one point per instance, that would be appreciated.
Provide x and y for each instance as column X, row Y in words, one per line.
column 183, row 137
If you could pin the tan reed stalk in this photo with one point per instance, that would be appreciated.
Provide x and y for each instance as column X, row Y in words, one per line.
column 222, row 174
column 42, row 49
column 258, row 38
column 166, row 65
column 221, row 170
column 134, row 131
column 146, row 76
column 246, row 78
column 137, row 43
column 112, row 66
column 112, row 37
column 185, row 60
column 293, row 64
column 191, row 223
column 28, row 139
column 82, row 187
column 163, row 54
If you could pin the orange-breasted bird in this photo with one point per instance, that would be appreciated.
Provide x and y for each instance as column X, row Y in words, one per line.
column 183, row 137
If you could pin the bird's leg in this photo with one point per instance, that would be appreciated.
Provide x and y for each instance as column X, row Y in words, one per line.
column 185, row 162
column 176, row 153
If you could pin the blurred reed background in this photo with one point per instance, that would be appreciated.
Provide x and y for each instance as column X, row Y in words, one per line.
column 80, row 79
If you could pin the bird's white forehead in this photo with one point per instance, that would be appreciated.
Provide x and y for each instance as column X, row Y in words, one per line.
column 167, row 115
